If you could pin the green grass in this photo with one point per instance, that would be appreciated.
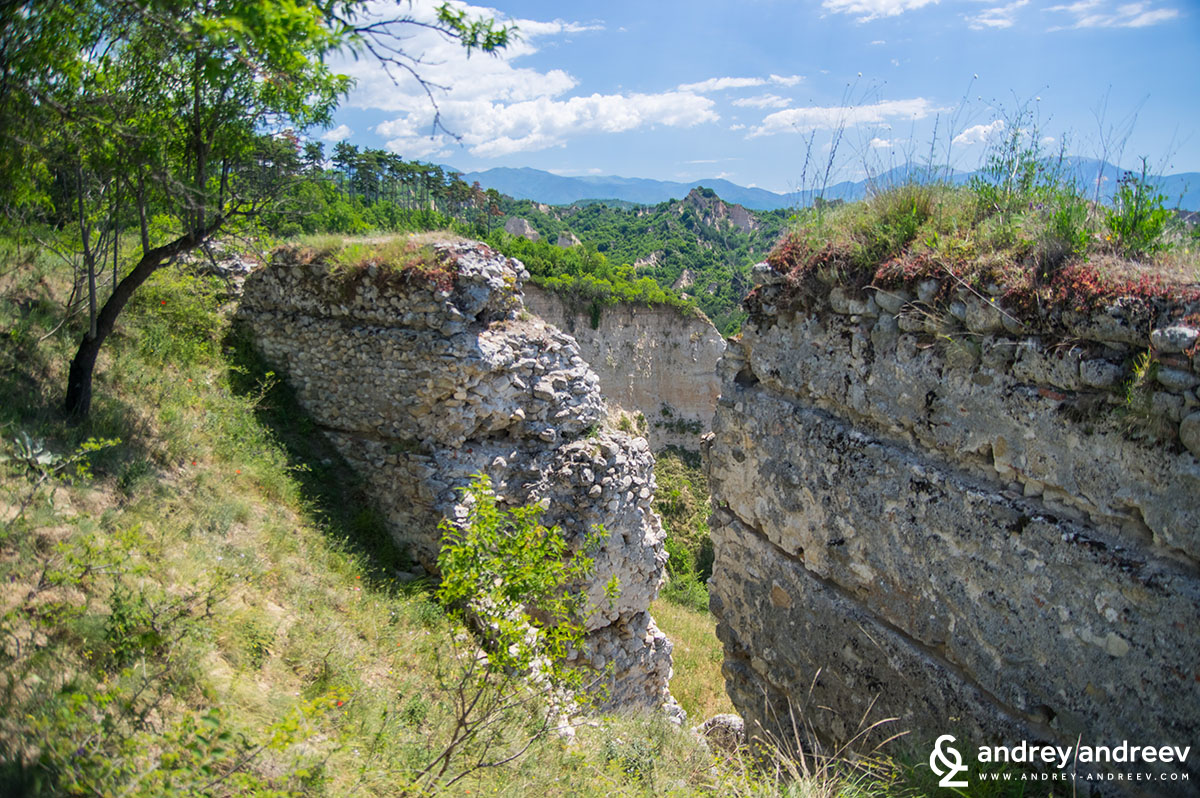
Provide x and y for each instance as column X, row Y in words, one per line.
column 696, row 683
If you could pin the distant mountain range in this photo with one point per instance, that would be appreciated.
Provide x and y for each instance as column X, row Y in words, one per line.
column 1182, row 190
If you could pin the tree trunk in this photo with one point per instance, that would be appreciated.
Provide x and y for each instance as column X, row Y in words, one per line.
column 78, row 401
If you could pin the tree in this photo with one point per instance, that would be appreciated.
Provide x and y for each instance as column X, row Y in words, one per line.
column 174, row 107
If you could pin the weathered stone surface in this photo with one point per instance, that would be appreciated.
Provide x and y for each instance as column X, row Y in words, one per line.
column 1176, row 380
column 892, row 301
column 981, row 316
column 725, row 732
column 1001, row 417
column 1189, row 433
column 567, row 239
column 956, row 550
column 1100, row 373
column 953, row 529
column 1176, row 338
column 421, row 385
column 521, row 227
column 647, row 359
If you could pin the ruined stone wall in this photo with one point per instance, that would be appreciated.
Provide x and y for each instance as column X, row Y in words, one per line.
column 425, row 379
column 655, row 361
column 924, row 513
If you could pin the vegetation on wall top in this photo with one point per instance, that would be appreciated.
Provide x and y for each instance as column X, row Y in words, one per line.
column 1021, row 234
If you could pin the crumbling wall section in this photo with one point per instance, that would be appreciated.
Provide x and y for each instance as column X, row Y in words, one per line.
column 424, row 379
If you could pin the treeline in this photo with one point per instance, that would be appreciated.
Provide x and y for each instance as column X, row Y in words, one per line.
column 353, row 191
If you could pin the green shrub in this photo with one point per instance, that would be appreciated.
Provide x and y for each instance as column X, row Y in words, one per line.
column 1138, row 217
column 1014, row 170
column 686, row 590
column 1067, row 231
column 504, row 559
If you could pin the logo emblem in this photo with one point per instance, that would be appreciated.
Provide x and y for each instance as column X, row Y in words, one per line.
column 946, row 762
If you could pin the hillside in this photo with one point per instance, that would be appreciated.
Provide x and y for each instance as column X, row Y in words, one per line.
column 700, row 248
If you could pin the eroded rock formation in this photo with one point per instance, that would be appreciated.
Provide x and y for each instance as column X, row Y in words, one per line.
column 656, row 361
column 923, row 513
column 423, row 377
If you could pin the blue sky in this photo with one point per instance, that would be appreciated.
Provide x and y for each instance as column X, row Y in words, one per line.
column 760, row 92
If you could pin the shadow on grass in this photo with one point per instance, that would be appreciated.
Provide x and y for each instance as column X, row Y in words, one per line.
column 335, row 496
column 33, row 382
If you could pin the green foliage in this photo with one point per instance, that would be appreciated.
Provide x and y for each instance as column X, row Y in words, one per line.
column 475, row 34
column 1138, row 217
column 692, row 235
column 892, row 220
column 1015, row 172
column 584, row 277
column 507, row 575
column 177, row 316
column 1068, row 229
column 681, row 500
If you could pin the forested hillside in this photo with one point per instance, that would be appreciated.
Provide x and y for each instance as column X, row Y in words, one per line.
column 699, row 247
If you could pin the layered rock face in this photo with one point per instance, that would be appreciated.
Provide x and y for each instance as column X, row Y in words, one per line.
column 650, row 360
column 921, row 514
column 423, row 378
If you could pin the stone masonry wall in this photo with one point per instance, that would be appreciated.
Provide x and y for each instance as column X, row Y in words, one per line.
column 925, row 514
column 650, row 360
column 422, row 381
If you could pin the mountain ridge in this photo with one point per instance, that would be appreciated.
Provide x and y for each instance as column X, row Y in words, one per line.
column 1182, row 190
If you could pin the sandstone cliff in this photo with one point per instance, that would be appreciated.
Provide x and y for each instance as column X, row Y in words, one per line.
column 650, row 360
column 424, row 376
column 923, row 513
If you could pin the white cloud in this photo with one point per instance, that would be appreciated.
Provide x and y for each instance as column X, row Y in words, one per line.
column 802, row 120
column 998, row 17
column 738, row 126
column 879, row 144
column 785, row 80
column 337, row 134
column 878, row 41
column 494, row 129
column 868, row 10
column 1105, row 14
column 494, row 105
column 763, row 101
column 528, row 28
column 978, row 134
column 720, row 84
